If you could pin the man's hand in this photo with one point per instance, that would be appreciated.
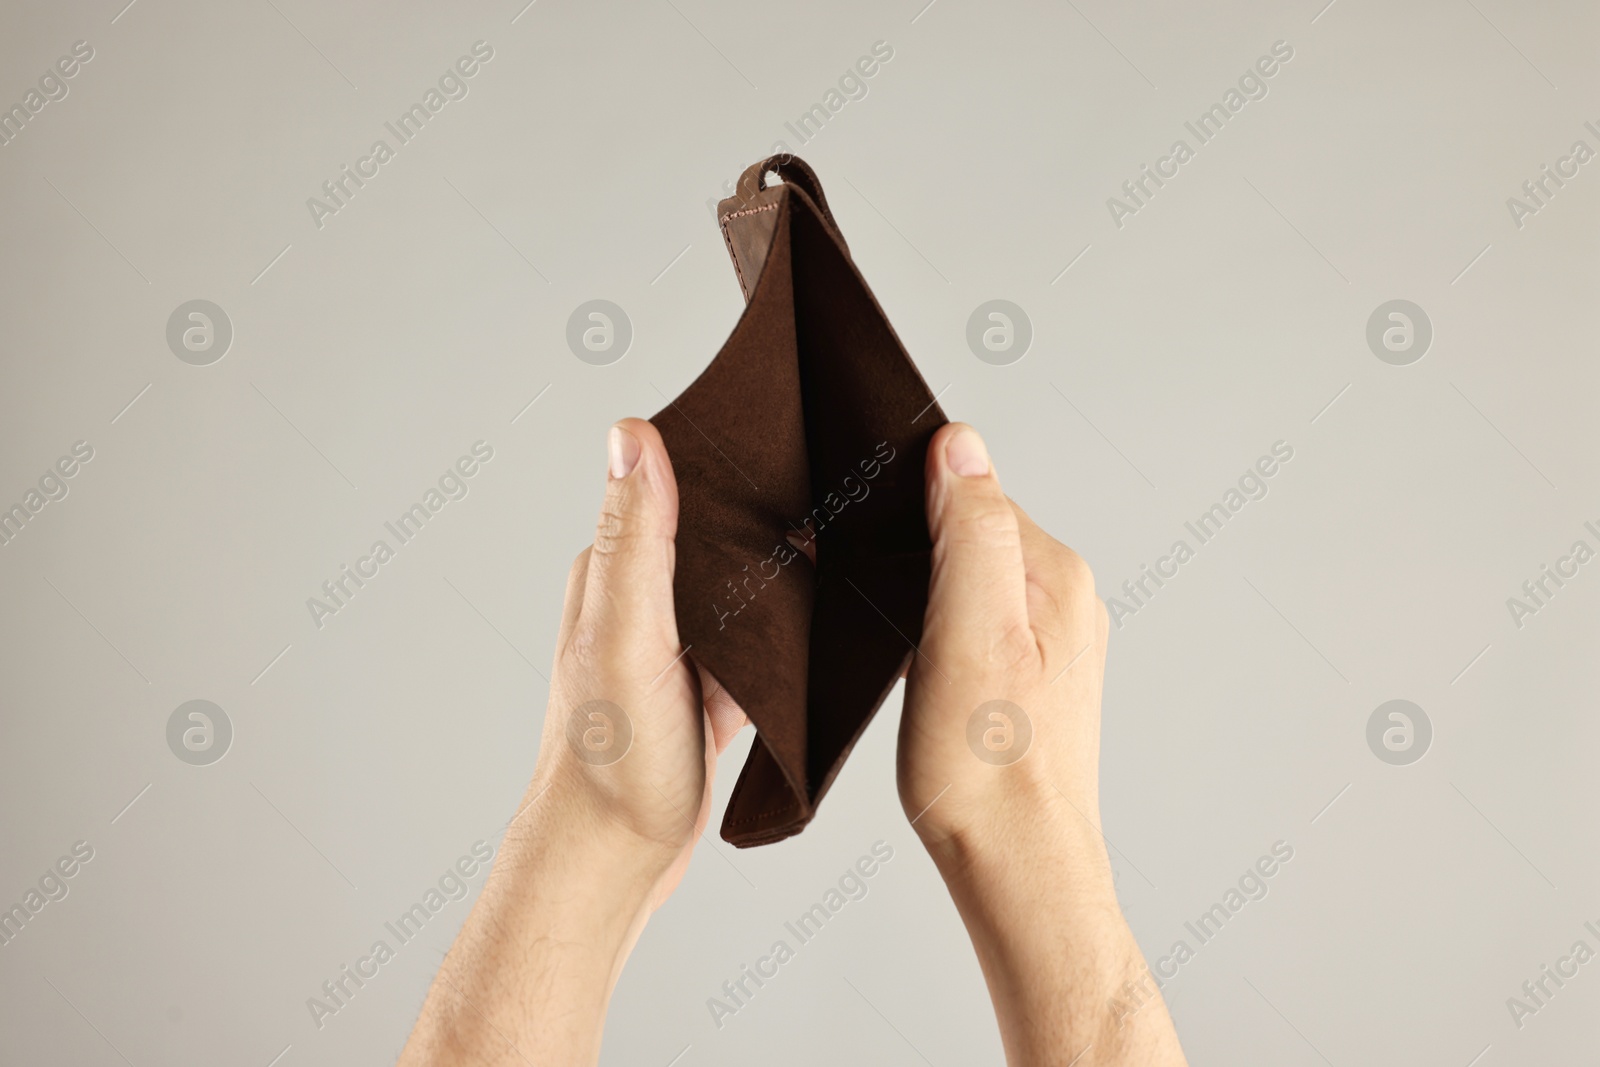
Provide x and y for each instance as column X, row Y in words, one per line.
column 998, row 756
column 1002, row 710
column 628, row 735
column 621, row 792
column 999, row 771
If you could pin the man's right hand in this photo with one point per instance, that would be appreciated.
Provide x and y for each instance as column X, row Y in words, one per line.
column 999, row 772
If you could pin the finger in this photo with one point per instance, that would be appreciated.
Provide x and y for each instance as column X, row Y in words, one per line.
column 572, row 600
column 804, row 543
column 627, row 593
column 977, row 595
column 1063, row 609
column 727, row 718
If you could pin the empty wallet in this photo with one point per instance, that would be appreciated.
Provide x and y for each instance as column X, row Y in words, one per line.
column 809, row 428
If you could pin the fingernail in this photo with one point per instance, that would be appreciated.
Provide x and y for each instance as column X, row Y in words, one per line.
column 624, row 450
column 966, row 454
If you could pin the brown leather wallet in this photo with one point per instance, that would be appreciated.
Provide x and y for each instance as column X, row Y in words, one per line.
column 810, row 429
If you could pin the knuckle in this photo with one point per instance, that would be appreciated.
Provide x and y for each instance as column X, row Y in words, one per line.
column 1071, row 580
column 1016, row 647
column 629, row 520
column 615, row 533
column 985, row 526
column 993, row 652
column 601, row 649
column 1075, row 573
column 1065, row 589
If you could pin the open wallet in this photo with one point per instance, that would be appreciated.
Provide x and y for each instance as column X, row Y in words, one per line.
column 804, row 439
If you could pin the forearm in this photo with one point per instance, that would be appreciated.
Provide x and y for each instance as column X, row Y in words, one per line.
column 531, row 973
column 1055, row 950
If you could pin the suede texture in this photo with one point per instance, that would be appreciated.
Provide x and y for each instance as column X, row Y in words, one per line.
column 810, row 427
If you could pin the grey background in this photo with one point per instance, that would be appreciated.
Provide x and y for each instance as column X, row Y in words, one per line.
column 1226, row 315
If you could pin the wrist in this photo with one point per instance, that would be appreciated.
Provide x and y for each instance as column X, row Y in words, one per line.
column 1038, row 901
column 566, row 833
column 1059, row 858
column 561, row 910
column 1009, row 837
column 573, row 886
column 1015, row 863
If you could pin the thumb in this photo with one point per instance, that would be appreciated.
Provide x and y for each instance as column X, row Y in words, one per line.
column 627, row 595
column 724, row 714
column 977, row 596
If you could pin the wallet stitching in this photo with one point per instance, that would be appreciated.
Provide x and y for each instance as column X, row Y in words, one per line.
column 764, row 815
column 728, row 240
